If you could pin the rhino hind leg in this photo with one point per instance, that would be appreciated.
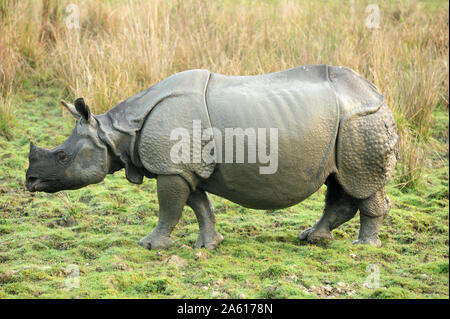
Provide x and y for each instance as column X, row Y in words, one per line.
column 339, row 208
column 204, row 211
column 373, row 211
column 173, row 192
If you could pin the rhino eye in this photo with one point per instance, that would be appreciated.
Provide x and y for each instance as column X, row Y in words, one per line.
column 62, row 157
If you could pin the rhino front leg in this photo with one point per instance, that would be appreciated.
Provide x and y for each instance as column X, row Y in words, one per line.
column 373, row 211
column 339, row 208
column 173, row 192
column 204, row 210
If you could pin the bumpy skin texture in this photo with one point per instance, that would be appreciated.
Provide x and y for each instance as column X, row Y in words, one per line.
column 367, row 152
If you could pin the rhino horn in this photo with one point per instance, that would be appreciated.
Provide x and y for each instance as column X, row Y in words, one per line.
column 35, row 150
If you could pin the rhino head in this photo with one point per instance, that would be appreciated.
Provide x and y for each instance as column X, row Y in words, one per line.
column 81, row 160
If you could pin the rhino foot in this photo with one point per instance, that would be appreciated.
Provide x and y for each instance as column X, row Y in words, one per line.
column 153, row 241
column 368, row 241
column 313, row 235
column 208, row 240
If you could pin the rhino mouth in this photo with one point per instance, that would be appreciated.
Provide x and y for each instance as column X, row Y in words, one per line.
column 35, row 184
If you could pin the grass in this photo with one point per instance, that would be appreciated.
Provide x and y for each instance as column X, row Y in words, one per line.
column 6, row 116
column 125, row 46
column 97, row 229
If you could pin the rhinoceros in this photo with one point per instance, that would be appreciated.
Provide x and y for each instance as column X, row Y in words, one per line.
column 328, row 125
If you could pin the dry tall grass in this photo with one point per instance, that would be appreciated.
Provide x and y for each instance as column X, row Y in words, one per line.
column 123, row 47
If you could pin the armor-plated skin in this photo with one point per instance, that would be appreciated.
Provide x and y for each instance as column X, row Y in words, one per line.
column 333, row 127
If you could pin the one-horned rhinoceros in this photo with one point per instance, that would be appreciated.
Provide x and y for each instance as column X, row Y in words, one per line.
column 327, row 125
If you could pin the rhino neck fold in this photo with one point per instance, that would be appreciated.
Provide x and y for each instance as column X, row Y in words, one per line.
column 122, row 148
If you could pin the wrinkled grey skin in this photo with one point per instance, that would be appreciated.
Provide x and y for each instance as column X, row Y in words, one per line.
column 334, row 128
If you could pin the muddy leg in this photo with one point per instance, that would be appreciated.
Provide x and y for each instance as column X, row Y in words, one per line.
column 339, row 208
column 373, row 211
column 173, row 192
column 204, row 210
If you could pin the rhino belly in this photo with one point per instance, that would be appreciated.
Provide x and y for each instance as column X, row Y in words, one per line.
column 305, row 116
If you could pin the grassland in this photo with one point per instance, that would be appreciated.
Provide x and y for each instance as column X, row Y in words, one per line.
column 97, row 228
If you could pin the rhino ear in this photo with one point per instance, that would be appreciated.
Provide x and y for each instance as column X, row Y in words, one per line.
column 83, row 109
column 71, row 109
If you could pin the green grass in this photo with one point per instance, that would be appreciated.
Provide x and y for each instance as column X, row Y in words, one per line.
column 7, row 119
column 97, row 229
